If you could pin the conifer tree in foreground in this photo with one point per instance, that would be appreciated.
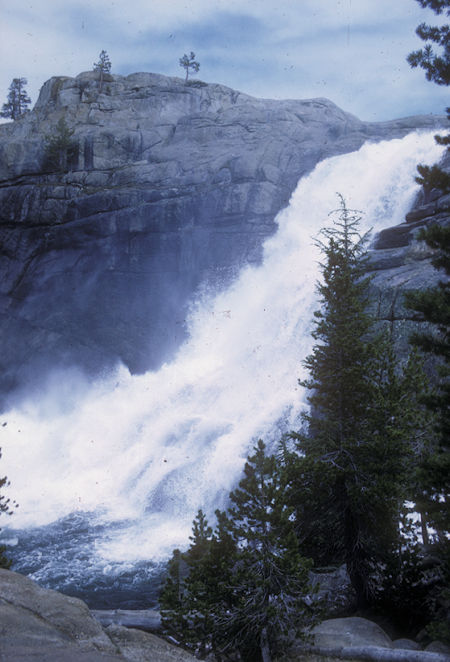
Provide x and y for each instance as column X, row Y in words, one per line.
column 249, row 591
column 272, row 592
column 432, row 306
column 351, row 475
column 18, row 100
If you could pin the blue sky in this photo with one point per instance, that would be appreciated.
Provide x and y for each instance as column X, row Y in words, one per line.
column 350, row 51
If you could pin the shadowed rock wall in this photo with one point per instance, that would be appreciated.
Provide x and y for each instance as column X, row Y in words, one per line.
column 168, row 186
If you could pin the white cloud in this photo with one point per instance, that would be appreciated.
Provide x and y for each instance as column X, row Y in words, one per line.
column 352, row 51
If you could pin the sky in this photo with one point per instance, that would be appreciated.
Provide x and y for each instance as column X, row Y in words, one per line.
column 352, row 52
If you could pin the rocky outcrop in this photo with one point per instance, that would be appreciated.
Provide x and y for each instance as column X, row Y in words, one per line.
column 400, row 262
column 352, row 631
column 333, row 590
column 357, row 638
column 40, row 625
column 165, row 186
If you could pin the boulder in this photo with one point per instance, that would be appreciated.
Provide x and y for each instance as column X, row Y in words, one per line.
column 30, row 614
column 357, row 638
column 438, row 647
column 41, row 625
column 137, row 646
column 352, row 631
column 406, row 644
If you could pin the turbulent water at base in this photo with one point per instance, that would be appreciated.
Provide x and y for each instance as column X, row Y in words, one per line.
column 110, row 475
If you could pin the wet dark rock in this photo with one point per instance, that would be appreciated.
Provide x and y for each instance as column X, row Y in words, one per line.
column 419, row 213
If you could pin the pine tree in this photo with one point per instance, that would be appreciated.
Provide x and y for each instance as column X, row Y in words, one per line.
column 352, row 471
column 432, row 306
column 189, row 599
column 103, row 66
column 189, row 62
column 61, row 150
column 246, row 587
column 173, row 616
column 437, row 70
column 271, row 596
column 18, row 100
column 6, row 507
column 435, row 64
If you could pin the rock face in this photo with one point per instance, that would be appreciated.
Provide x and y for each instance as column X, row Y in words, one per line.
column 357, row 638
column 334, row 591
column 400, row 262
column 40, row 625
column 352, row 631
column 165, row 186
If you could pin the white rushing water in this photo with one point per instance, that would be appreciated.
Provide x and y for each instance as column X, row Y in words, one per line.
column 150, row 450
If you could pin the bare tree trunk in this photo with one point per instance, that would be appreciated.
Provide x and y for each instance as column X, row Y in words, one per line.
column 265, row 650
column 423, row 526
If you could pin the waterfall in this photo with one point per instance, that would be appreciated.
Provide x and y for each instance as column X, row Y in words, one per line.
column 136, row 456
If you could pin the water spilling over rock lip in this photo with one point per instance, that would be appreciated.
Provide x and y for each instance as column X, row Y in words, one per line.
column 149, row 450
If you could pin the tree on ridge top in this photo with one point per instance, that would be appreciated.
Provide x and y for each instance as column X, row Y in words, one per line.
column 18, row 100
column 103, row 66
column 189, row 62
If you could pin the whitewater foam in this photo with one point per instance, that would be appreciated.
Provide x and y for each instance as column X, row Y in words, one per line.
column 147, row 451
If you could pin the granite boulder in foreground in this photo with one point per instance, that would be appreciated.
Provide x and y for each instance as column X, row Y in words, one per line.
column 41, row 625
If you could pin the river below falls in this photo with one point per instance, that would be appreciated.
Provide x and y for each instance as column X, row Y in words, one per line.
column 63, row 556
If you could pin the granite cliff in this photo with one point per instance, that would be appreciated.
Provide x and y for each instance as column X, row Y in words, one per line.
column 166, row 187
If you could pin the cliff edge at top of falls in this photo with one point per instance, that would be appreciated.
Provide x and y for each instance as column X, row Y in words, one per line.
column 146, row 118
column 166, row 186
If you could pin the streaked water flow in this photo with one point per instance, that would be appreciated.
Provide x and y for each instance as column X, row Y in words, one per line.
column 110, row 475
